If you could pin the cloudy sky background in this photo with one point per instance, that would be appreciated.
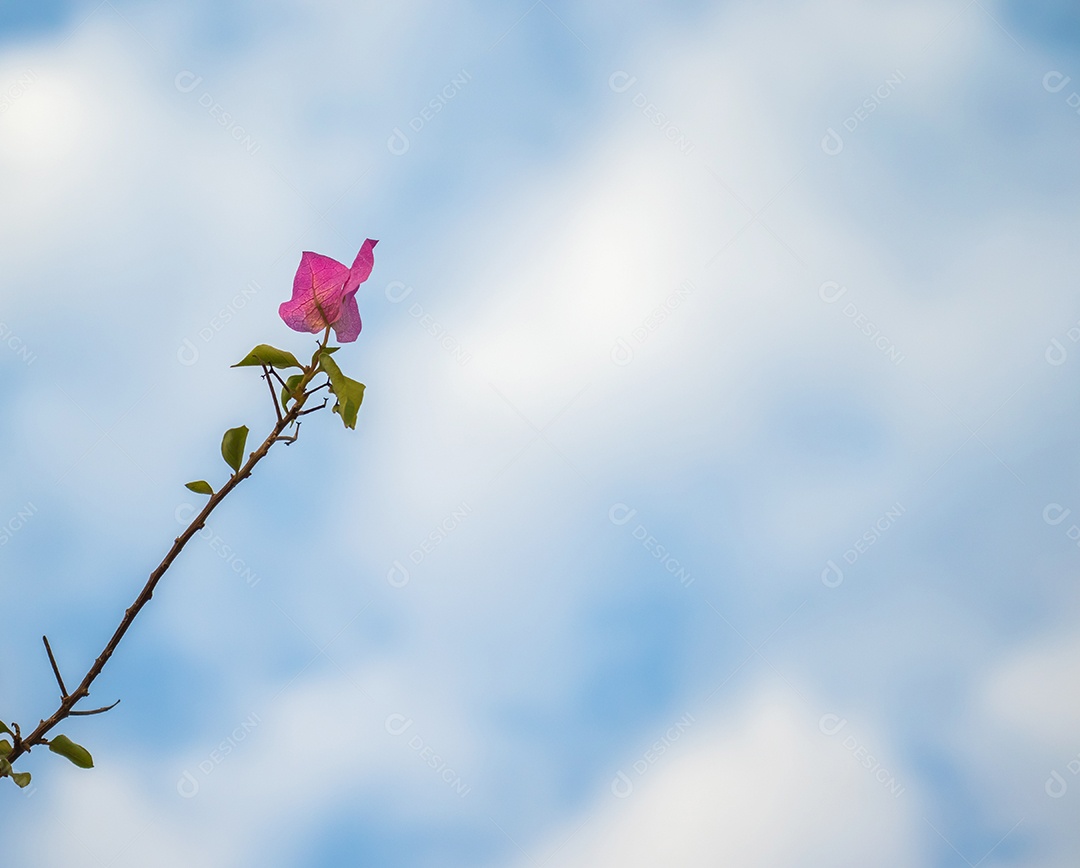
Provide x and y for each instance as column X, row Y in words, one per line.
column 647, row 263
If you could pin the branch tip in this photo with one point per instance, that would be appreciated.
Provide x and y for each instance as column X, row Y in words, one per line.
column 55, row 668
column 101, row 710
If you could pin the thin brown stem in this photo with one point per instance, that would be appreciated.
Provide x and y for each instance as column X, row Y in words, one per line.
column 322, row 406
column 69, row 700
column 273, row 394
column 55, row 668
column 101, row 710
column 277, row 377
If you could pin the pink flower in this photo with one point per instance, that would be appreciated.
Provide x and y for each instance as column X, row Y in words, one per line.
column 324, row 294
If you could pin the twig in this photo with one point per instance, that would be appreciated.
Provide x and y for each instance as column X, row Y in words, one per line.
column 290, row 439
column 314, row 409
column 273, row 394
column 55, row 668
column 101, row 710
column 277, row 377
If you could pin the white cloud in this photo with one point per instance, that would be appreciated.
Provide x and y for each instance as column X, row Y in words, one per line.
column 763, row 787
column 1034, row 691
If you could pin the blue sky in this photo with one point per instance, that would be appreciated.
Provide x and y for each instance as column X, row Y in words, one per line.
column 745, row 450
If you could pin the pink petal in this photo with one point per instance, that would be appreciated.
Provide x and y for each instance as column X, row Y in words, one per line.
column 318, row 292
column 347, row 327
column 361, row 267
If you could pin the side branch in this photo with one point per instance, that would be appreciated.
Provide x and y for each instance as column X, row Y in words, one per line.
column 273, row 396
column 55, row 668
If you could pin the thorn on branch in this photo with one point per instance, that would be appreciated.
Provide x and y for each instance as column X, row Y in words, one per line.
column 55, row 668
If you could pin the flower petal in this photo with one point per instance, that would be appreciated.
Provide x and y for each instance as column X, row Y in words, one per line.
column 361, row 267
column 347, row 327
column 318, row 292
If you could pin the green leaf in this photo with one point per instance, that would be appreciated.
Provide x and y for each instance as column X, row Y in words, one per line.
column 264, row 354
column 290, row 386
column 78, row 754
column 232, row 446
column 350, row 393
column 200, row 486
column 330, row 367
column 4, row 729
column 5, row 767
column 21, row 778
column 349, row 400
column 5, row 747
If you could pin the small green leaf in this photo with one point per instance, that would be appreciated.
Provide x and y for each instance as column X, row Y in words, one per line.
column 200, row 486
column 290, row 386
column 76, row 753
column 232, row 446
column 5, row 747
column 5, row 767
column 264, row 354
column 21, row 778
column 4, row 729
